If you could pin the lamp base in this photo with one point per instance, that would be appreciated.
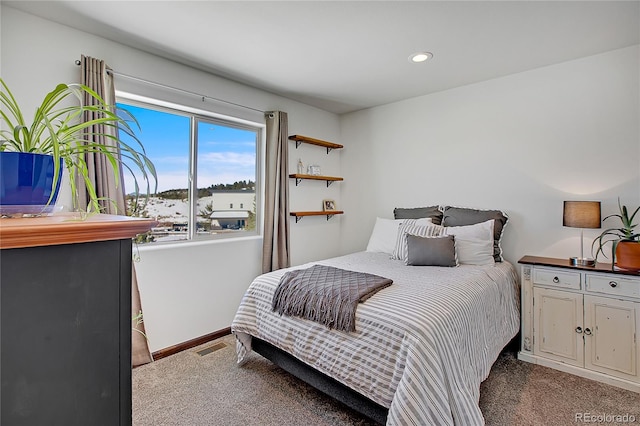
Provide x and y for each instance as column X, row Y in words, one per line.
column 579, row 261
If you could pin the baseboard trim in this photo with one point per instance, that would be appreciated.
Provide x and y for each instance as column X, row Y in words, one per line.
column 579, row 371
column 171, row 350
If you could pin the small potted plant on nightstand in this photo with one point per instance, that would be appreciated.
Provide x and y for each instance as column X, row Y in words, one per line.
column 625, row 240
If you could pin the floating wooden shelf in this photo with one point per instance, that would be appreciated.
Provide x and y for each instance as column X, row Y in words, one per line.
column 330, row 179
column 328, row 213
column 305, row 139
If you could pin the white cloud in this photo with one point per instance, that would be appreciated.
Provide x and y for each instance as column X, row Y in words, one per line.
column 214, row 159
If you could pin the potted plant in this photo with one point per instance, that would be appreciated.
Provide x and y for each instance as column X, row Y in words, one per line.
column 56, row 138
column 625, row 240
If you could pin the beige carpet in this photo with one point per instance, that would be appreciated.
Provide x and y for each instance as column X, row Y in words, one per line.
column 191, row 390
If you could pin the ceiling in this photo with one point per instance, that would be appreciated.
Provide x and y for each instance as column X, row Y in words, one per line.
column 343, row 56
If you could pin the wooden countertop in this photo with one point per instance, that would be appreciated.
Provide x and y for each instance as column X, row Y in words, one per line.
column 69, row 228
column 565, row 263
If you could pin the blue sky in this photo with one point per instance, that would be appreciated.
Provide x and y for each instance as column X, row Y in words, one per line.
column 225, row 154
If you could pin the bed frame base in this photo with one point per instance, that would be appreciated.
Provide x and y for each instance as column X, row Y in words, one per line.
column 330, row 386
column 322, row 382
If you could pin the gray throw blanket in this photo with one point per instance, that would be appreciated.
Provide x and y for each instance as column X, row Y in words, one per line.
column 326, row 294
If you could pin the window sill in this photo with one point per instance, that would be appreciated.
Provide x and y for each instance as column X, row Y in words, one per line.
column 194, row 243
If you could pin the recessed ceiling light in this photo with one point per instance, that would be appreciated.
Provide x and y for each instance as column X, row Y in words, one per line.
column 420, row 57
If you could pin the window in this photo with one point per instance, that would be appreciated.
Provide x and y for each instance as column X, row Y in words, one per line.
column 222, row 156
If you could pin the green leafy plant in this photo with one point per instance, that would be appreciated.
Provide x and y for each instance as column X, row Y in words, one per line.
column 57, row 129
column 626, row 232
column 136, row 321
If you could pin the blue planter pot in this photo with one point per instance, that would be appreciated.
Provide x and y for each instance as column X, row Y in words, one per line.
column 25, row 183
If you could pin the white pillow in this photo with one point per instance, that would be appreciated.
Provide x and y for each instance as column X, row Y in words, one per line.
column 413, row 227
column 474, row 243
column 385, row 233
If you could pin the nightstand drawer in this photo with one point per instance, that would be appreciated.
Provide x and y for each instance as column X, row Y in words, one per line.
column 556, row 278
column 613, row 285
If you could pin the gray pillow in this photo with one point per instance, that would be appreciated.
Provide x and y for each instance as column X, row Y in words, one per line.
column 431, row 251
column 459, row 216
column 418, row 213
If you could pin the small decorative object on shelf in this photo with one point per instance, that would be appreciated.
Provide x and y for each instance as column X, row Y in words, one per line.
column 314, row 170
column 300, row 167
column 328, row 205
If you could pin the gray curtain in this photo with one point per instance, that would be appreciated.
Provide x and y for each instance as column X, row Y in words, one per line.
column 95, row 75
column 275, row 246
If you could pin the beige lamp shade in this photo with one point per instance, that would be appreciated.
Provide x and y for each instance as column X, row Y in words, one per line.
column 581, row 214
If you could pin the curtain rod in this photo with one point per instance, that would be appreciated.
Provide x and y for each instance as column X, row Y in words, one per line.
column 153, row 83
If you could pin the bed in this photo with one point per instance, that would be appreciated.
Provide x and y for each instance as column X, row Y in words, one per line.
column 421, row 348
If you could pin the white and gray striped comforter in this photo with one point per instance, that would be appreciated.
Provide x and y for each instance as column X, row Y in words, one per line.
column 422, row 346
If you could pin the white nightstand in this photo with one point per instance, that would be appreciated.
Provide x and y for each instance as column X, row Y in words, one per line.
column 581, row 320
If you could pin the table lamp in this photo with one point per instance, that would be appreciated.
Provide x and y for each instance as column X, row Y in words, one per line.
column 581, row 214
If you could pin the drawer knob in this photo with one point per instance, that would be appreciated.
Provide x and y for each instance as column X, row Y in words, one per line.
column 587, row 331
column 613, row 284
column 578, row 329
column 556, row 280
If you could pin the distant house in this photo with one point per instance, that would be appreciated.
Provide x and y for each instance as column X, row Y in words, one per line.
column 231, row 208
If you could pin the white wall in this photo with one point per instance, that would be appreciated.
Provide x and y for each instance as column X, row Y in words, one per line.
column 187, row 291
column 521, row 143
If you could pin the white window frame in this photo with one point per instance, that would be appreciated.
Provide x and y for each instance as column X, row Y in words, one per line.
column 144, row 101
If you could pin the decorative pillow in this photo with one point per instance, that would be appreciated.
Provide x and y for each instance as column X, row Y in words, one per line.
column 432, row 212
column 431, row 251
column 385, row 233
column 474, row 243
column 458, row 216
column 474, row 251
column 413, row 228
